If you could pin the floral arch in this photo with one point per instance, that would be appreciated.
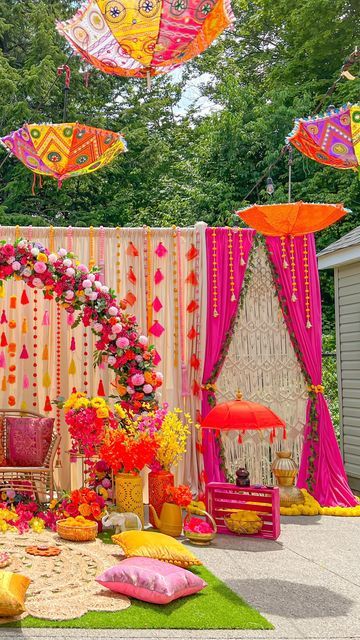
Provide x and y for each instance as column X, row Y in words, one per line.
column 78, row 288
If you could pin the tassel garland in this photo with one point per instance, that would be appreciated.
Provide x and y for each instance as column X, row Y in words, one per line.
column 24, row 353
column 26, row 382
column 45, row 353
column 24, row 326
column 47, row 405
column 13, row 302
column 46, row 380
column 46, row 319
column 24, row 298
column 72, row 367
column 3, row 317
column 101, row 390
column 72, row 344
column 2, row 360
column 3, row 341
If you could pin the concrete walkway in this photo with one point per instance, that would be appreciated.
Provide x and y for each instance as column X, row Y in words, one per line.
column 307, row 584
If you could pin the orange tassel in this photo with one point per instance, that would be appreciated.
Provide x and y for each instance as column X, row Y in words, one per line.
column 45, row 353
column 11, row 378
column 3, row 384
column 192, row 279
column 24, row 328
column 13, row 302
column 72, row 367
column 46, row 380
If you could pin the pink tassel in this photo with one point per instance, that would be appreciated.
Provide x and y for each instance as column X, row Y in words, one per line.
column 3, row 317
column 72, row 344
column 70, row 319
column 26, row 382
column 157, row 359
column 158, row 277
column 157, row 306
column 24, row 354
column 46, row 319
column 160, row 250
column 2, row 360
column 185, row 389
column 156, row 329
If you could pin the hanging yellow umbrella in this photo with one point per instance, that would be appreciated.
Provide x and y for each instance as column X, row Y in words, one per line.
column 63, row 150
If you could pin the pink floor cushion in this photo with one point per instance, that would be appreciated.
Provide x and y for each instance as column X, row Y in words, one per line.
column 28, row 441
column 151, row 580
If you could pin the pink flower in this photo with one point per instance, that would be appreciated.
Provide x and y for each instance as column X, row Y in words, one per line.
column 147, row 388
column 37, row 282
column 16, row 266
column 40, row 267
column 137, row 379
column 143, row 340
column 83, row 268
column 97, row 327
column 117, row 328
column 122, row 342
column 113, row 311
column 8, row 250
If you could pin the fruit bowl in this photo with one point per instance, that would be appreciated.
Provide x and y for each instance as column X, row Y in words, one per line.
column 199, row 537
column 243, row 522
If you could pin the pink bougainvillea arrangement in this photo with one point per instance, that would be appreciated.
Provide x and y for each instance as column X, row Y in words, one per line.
column 79, row 289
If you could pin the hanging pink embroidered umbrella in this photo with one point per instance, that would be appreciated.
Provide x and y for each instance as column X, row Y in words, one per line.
column 332, row 138
column 144, row 38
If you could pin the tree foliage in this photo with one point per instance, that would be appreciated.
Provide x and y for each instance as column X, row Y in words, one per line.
column 185, row 162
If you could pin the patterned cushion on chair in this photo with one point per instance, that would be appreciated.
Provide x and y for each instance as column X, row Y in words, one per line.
column 28, row 441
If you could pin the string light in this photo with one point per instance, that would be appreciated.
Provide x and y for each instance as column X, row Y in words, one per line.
column 91, row 248
column 307, row 282
column 231, row 266
column 85, row 362
column 58, row 380
column 214, row 274
column 51, row 239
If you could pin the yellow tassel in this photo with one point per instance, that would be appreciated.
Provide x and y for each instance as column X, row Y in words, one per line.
column 23, row 406
column 46, row 380
column 2, row 290
column 3, row 384
column 72, row 367
column 24, row 328
column 45, row 354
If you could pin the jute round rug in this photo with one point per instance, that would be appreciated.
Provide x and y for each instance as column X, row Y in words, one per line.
column 62, row 587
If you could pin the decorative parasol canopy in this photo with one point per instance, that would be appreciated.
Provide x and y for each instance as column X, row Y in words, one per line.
column 63, row 150
column 241, row 415
column 293, row 219
column 332, row 138
column 144, row 37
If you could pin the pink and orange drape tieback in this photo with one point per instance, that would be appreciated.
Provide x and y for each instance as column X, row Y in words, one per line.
column 211, row 388
column 316, row 388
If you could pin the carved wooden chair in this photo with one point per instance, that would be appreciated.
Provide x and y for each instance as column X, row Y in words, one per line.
column 37, row 480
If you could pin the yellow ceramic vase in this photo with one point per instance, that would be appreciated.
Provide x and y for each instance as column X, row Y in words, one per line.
column 170, row 521
column 285, row 471
column 129, row 494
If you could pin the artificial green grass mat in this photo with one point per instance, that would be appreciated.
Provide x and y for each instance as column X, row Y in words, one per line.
column 216, row 607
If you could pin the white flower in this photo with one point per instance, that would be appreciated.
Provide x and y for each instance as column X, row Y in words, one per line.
column 38, row 283
column 69, row 294
column 27, row 272
column 52, row 257
column 35, row 251
column 67, row 262
column 93, row 295
column 10, row 260
column 62, row 252
column 70, row 271
column 97, row 326
column 130, row 390
column 87, row 291
column 104, row 289
column 91, row 277
column 86, row 283
column 159, row 375
column 97, row 284
column 112, row 336
column 111, row 361
column 143, row 340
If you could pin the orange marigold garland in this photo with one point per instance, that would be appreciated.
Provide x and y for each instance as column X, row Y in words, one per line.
column 214, row 275
column 306, row 282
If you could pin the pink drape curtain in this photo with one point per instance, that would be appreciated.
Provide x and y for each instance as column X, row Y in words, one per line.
column 329, row 484
column 227, row 252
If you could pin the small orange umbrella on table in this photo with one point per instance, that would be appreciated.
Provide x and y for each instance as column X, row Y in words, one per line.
column 243, row 415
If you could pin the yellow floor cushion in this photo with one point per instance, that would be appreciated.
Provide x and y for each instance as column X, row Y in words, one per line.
column 155, row 545
column 13, row 587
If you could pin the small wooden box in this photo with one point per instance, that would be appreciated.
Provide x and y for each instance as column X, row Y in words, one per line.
column 221, row 496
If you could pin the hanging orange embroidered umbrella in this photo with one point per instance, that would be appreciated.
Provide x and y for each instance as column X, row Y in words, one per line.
column 63, row 150
column 242, row 415
column 291, row 219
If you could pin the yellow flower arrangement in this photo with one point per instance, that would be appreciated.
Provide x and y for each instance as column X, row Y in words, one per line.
column 70, row 402
column 41, row 257
column 311, row 507
column 97, row 402
column 172, row 439
column 37, row 524
column 102, row 412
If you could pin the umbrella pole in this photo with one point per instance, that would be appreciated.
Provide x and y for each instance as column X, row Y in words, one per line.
column 148, row 81
column 290, row 161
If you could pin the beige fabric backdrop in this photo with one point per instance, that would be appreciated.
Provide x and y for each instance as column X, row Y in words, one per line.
column 87, row 244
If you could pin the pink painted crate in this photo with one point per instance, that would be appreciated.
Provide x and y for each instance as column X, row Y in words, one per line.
column 264, row 500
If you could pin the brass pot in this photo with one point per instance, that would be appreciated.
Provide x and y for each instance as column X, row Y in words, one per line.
column 285, row 471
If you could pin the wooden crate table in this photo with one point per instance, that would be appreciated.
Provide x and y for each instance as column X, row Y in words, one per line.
column 221, row 496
